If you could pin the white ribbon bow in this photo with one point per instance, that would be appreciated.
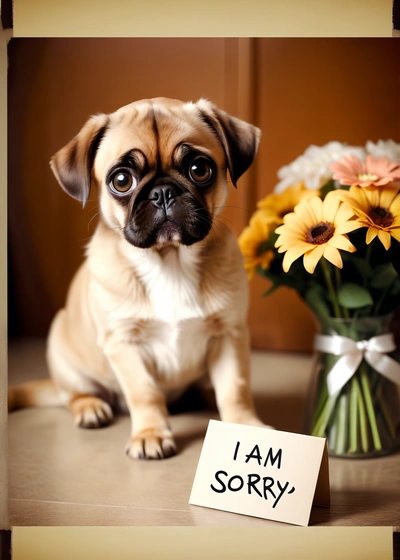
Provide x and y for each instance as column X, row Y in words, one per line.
column 352, row 352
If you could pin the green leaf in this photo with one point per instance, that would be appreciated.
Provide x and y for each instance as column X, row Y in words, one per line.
column 353, row 296
column 383, row 276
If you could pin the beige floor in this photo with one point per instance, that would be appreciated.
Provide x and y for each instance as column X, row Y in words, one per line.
column 61, row 475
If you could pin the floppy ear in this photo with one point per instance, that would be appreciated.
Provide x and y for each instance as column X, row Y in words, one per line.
column 239, row 139
column 72, row 165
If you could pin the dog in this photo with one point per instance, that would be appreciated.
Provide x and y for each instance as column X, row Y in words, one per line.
column 160, row 301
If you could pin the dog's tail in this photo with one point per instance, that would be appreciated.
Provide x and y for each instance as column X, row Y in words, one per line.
column 34, row 393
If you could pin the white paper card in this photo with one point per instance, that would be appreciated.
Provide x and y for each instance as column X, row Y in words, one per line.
column 261, row 472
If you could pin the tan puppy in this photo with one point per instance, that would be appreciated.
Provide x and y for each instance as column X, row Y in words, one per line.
column 161, row 299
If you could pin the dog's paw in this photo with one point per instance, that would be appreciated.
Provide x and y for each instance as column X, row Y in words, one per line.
column 91, row 412
column 151, row 444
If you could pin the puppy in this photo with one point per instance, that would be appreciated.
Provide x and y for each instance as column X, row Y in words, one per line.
column 161, row 300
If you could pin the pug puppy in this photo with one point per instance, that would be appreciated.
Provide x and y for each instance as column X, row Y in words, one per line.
column 161, row 300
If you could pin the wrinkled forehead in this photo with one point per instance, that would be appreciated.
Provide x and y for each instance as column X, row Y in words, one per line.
column 157, row 129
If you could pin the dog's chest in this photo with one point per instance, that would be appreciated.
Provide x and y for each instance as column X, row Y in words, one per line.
column 175, row 338
column 173, row 285
column 176, row 351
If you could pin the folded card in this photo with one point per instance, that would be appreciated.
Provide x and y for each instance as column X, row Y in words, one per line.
column 261, row 472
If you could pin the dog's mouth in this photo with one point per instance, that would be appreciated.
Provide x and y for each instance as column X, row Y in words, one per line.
column 169, row 217
column 169, row 232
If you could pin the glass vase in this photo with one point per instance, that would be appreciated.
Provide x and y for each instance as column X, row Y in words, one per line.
column 362, row 418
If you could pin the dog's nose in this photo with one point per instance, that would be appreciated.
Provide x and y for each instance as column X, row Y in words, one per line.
column 163, row 197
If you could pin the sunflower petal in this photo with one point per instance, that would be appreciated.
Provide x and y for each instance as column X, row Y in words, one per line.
column 373, row 196
column 284, row 239
column 292, row 229
column 371, row 234
column 317, row 206
column 344, row 213
column 294, row 220
column 395, row 233
column 360, row 200
column 292, row 254
column 330, row 208
column 384, row 237
column 349, row 226
column 311, row 259
column 305, row 213
column 342, row 242
column 386, row 198
column 395, row 206
column 333, row 255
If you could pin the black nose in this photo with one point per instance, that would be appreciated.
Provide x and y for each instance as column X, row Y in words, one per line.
column 163, row 197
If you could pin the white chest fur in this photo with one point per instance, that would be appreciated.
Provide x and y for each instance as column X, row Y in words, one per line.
column 174, row 340
column 172, row 283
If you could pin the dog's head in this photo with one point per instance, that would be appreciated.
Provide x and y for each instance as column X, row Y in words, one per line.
column 160, row 167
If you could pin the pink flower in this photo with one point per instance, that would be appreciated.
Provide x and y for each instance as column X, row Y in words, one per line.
column 373, row 172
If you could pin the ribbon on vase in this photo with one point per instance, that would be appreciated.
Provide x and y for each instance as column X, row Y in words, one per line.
column 352, row 353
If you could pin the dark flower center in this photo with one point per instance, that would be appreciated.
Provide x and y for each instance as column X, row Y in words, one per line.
column 320, row 233
column 381, row 217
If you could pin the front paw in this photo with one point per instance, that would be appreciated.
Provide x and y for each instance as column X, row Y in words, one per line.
column 151, row 444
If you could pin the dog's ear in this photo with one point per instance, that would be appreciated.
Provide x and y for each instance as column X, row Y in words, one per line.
column 239, row 139
column 72, row 165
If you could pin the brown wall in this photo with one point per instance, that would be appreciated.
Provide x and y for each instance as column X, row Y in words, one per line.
column 54, row 85
column 299, row 91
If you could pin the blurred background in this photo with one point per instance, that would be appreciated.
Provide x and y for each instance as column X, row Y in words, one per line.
column 298, row 91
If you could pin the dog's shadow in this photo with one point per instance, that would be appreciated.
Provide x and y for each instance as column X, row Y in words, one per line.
column 285, row 413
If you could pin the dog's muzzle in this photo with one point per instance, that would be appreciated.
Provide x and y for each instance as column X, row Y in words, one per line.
column 167, row 213
column 163, row 197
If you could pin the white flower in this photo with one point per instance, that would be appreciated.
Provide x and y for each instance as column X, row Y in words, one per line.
column 313, row 167
column 384, row 148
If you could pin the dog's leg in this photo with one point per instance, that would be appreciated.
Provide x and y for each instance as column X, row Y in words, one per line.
column 76, row 391
column 151, row 437
column 229, row 367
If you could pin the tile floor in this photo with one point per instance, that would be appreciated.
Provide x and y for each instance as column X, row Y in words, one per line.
column 61, row 475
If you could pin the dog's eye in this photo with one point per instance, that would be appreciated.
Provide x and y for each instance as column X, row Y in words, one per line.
column 201, row 171
column 122, row 182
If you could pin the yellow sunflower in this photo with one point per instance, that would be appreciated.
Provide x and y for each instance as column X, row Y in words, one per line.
column 250, row 240
column 378, row 209
column 316, row 229
column 277, row 205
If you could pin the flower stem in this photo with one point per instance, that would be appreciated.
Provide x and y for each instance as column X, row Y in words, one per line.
column 323, row 420
column 370, row 408
column 343, row 309
column 342, row 413
column 329, row 285
column 353, row 416
column 362, row 415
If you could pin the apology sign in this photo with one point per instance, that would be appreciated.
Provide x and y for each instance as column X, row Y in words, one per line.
column 261, row 472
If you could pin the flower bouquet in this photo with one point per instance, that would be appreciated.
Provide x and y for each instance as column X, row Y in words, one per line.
column 338, row 207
